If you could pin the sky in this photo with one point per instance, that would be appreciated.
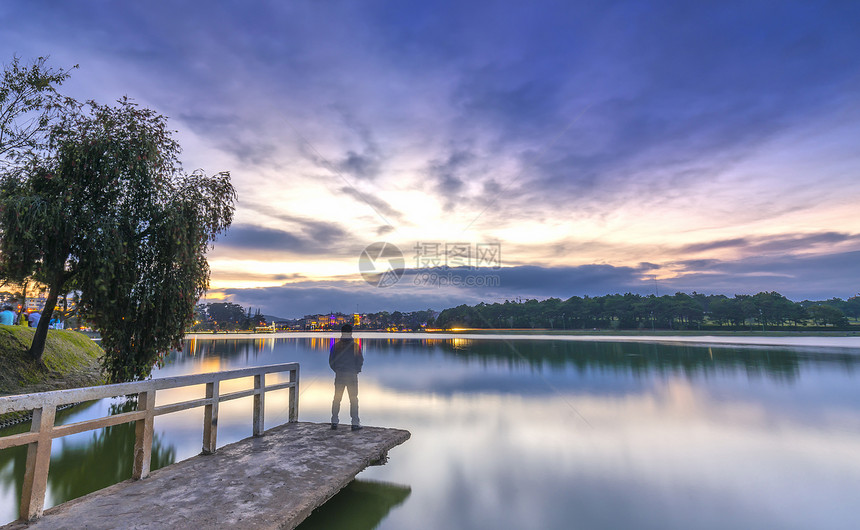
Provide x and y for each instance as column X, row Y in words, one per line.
column 508, row 150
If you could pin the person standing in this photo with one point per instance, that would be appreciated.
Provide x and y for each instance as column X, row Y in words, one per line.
column 346, row 360
column 7, row 316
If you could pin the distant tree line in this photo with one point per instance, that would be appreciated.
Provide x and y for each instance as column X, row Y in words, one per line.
column 405, row 321
column 226, row 316
column 680, row 311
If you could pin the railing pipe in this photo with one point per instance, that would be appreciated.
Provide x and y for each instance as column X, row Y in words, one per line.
column 44, row 406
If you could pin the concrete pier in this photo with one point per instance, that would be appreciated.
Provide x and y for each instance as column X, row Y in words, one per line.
column 271, row 481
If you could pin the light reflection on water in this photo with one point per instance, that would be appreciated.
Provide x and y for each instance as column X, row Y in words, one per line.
column 553, row 434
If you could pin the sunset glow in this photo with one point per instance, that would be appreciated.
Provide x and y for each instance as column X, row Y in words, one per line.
column 604, row 148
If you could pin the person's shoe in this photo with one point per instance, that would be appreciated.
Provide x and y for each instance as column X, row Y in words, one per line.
column 356, row 427
column 334, row 426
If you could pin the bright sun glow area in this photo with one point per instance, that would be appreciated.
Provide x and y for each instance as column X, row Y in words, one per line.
column 574, row 155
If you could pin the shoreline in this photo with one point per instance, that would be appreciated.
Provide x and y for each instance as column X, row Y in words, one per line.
column 840, row 342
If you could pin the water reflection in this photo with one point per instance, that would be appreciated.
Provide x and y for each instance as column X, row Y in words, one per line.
column 105, row 458
column 361, row 505
column 671, row 458
column 627, row 358
column 80, row 464
column 622, row 357
column 674, row 436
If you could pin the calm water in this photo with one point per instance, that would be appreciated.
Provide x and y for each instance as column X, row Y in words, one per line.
column 537, row 434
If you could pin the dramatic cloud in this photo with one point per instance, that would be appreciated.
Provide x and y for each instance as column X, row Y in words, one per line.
column 313, row 238
column 382, row 208
column 605, row 145
column 784, row 243
column 304, row 298
column 798, row 278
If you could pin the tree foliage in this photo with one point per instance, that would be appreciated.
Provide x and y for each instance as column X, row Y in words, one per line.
column 224, row 316
column 107, row 210
column 412, row 320
column 632, row 311
column 227, row 316
column 825, row 314
column 29, row 103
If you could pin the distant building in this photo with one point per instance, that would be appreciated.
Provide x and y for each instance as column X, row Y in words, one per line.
column 313, row 322
column 38, row 304
column 331, row 321
column 35, row 304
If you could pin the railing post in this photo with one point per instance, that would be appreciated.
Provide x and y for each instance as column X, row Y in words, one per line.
column 38, row 461
column 143, row 435
column 210, row 418
column 259, row 404
column 294, row 395
column 43, row 430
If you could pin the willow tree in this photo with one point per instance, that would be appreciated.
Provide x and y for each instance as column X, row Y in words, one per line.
column 29, row 104
column 109, row 212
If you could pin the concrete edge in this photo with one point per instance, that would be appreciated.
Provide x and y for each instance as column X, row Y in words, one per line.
column 295, row 518
column 290, row 519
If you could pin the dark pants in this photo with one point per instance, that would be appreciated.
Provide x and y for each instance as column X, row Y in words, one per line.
column 350, row 383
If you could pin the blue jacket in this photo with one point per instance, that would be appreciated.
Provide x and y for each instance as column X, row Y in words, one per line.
column 7, row 318
column 345, row 357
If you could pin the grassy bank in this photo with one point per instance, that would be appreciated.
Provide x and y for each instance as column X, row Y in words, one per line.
column 70, row 360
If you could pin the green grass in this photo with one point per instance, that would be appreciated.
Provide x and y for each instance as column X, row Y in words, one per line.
column 70, row 360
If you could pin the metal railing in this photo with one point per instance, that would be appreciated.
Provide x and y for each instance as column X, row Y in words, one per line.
column 44, row 406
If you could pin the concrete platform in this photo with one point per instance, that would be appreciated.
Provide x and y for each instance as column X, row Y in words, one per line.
column 274, row 481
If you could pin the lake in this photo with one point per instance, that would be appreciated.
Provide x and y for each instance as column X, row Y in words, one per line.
column 530, row 433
